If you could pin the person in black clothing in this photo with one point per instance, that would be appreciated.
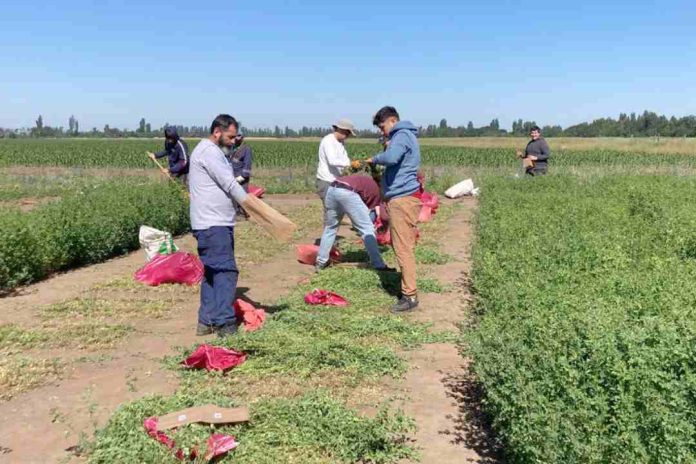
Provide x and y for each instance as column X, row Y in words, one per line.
column 240, row 157
column 536, row 153
column 176, row 150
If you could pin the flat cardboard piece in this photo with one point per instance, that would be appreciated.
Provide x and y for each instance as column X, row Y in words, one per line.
column 209, row 414
column 269, row 219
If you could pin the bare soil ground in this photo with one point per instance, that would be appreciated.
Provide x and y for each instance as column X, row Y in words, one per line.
column 41, row 424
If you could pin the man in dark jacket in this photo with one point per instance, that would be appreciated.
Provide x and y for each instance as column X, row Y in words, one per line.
column 240, row 157
column 538, row 152
column 176, row 150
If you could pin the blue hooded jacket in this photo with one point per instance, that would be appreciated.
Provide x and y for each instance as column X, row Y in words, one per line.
column 176, row 152
column 402, row 161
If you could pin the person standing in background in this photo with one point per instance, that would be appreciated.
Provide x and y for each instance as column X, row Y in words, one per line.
column 241, row 159
column 536, row 155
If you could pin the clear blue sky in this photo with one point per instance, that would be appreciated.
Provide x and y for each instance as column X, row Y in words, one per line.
column 308, row 63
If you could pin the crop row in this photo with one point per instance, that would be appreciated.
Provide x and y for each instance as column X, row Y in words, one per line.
column 85, row 227
column 280, row 154
column 587, row 334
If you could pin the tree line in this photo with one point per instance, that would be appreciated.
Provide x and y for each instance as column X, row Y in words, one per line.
column 647, row 124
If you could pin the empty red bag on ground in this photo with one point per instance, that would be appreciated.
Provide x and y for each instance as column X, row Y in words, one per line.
column 150, row 425
column 214, row 358
column 257, row 191
column 219, row 444
column 307, row 254
column 252, row 318
column 325, row 297
column 176, row 268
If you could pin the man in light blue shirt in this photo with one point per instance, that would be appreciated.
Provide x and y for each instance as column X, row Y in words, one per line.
column 213, row 188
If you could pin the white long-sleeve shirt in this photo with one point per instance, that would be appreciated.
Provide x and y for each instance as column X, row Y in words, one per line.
column 333, row 157
column 212, row 187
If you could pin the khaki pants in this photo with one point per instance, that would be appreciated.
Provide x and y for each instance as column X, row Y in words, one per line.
column 403, row 218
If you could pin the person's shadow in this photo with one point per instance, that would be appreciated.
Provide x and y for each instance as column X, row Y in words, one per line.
column 270, row 309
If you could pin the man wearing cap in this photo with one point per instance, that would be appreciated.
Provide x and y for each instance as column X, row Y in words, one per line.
column 401, row 159
column 176, row 151
column 240, row 157
column 536, row 154
column 355, row 196
column 333, row 157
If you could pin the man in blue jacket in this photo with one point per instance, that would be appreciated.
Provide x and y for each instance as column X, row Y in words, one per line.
column 240, row 157
column 402, row 194
column 176, row 150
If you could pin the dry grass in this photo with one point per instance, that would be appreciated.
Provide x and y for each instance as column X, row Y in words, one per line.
column 20, row 374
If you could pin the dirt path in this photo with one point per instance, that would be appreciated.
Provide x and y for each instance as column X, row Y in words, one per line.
column 433, row 385
column 48, row 420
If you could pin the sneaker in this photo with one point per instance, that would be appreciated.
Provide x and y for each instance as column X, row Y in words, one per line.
column 226, row 330
column 320, row 267
column 204, row 329
column 385, row 269
column 405, row 304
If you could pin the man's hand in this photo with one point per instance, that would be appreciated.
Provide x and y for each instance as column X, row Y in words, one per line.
column 356, row 164
column 151, row 155
column 532, row 157
column 239, row 179
column 519, row 154
column 369, row 161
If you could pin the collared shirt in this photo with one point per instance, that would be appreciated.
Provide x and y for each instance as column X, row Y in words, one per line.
column 333, row 158
column 212, row 187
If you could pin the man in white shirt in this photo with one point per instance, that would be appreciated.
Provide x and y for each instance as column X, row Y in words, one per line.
column 333, row 157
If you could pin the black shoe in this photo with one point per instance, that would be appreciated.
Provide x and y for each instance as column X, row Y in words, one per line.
column 385, row 269
column 203, row 329
column 226, row 330
column 320, row 267
column 405, row 304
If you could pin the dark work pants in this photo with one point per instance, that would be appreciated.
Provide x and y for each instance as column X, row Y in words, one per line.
column 219, row 285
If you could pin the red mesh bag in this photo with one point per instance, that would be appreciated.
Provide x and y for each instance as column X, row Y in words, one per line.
column 176, row 268
column 325, row 297
column 251, row 317
column 214, row 358
column 307, row 254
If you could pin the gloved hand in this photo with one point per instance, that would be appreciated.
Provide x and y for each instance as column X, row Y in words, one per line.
column 356, row 164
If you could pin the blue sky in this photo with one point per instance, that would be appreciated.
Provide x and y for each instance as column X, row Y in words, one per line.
column 308, row 63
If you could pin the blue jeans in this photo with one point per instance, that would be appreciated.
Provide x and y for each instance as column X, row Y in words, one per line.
column 219, row 286
column 339, row 202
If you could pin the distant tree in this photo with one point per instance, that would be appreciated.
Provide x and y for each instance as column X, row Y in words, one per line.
column 141, row 126
column 39, row 123
column 148, row 128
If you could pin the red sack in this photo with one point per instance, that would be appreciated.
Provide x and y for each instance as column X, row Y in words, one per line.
column 307, row 254
column 214, row 358
column 219, row 444
column 426, row 214
column 253, row 318
column 150, row 425
column 177, row 268
column 256, row 190
column 431, row 200
column 384, row 237
column 324, row 297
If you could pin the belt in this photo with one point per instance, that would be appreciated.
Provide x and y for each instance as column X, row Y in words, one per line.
column 341, row 185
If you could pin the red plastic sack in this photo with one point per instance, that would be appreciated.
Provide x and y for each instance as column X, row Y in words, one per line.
column 426, row 214
column 219, row 444
column 384, row 237
column 324, row 297
column 431, row 200
column 307, row 254
column 252, row 318
column 257, row 191
column 150, row 425
column 177, row 268
column 214, row 358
